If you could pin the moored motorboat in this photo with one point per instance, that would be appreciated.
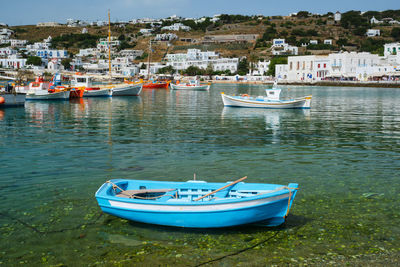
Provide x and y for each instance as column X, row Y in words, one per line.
column 40, row 90
column 85, row 83
column 190, row 85
column 155, row 84
column 127, row 89
column 197, row 204
column 271, row 101
column 11, row 99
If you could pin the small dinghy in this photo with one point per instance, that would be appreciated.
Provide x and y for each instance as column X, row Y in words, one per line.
column 271, row 100
column 197, row 204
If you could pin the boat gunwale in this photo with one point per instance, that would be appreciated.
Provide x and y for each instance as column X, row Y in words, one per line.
column 102, row 193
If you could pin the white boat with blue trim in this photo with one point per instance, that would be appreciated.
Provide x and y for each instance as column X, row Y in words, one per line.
column 271, row 101
column 197, row 204
column 193, row 85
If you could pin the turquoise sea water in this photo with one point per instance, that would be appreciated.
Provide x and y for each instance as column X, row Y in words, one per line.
column 344, row 153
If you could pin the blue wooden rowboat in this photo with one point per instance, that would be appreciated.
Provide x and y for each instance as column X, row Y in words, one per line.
column 197, row 204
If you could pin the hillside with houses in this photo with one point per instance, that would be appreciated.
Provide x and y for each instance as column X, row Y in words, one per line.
column 224, row 44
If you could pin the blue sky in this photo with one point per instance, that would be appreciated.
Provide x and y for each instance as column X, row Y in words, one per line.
column 23, row 12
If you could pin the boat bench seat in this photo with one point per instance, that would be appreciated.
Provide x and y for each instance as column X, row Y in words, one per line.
column 132, row 193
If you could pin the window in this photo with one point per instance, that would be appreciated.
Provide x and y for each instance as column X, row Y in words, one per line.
column 324, row 66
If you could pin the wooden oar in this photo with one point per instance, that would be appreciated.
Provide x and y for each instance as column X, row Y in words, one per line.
column 215, row 191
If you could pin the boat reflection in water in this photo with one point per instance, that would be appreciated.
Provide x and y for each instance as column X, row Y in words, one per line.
column 276, row 121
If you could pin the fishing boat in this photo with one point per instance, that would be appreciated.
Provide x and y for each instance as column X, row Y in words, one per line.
column 40, row 90
column 190, row 85
column 197, row 204
column 8, row 99
column 56, row 86
column 127, row 89
column 271, row 100
column 155, row 85
column 85, row 83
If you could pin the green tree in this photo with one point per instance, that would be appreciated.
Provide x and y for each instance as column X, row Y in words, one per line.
column 66, row 62
column 395, row 33
column 193, row 71
column 243, row 67
column 274, row 61
column 166, row 70
column 34, row 60
column 303, row 14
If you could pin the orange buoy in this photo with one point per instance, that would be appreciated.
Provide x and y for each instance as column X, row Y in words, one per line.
column 2, row 100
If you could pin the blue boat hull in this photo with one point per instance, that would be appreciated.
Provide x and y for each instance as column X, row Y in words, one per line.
column 271, row 215
column 270, row 210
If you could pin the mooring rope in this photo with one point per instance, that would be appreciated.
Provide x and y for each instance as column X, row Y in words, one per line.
column 35, row 229
column 238, row 252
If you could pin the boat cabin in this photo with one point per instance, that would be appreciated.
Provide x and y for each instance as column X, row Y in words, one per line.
column 273, row 94
column 81, row 81
column 39, row 85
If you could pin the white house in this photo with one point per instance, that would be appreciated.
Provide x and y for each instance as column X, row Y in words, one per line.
column 131, row 53
column 373, row 20
column 261, row 67
column 51, row 53
column 13, row 62
column 87, row 52
column 281, row 71
column 328, row 42
column 146, row 31
column 373, row 32
column 7, row 51
column 166, row 37
column 176, row 27
column 280, row 47
column 307, row 68
column 197, row 58
column 55, row 65
column 337, row 17
column 313, row 42
column 104, row 43
column 17, row 43
column 6, row 32
column 391, row 49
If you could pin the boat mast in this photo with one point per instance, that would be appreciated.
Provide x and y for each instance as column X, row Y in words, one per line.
column 109, row 44
column 148, row 66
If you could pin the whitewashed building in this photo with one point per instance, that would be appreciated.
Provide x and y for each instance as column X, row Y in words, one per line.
column 6, row 32
column 88, row 52
column 7, row 51
column 280, row 47
column 261, row 68
column 176, row 27
column 281, row 71
column 337, row 17
column 197, row 58
column 13, row 62
column 146, row 31
column 307, row 68
column 51, row 53
column 342, row 66
column 17, row 43
column 391, row 49
column 104, row 43
column 166, row 37
column 373, row 32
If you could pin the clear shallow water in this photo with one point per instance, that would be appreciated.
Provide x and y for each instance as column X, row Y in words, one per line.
column 344, row 153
